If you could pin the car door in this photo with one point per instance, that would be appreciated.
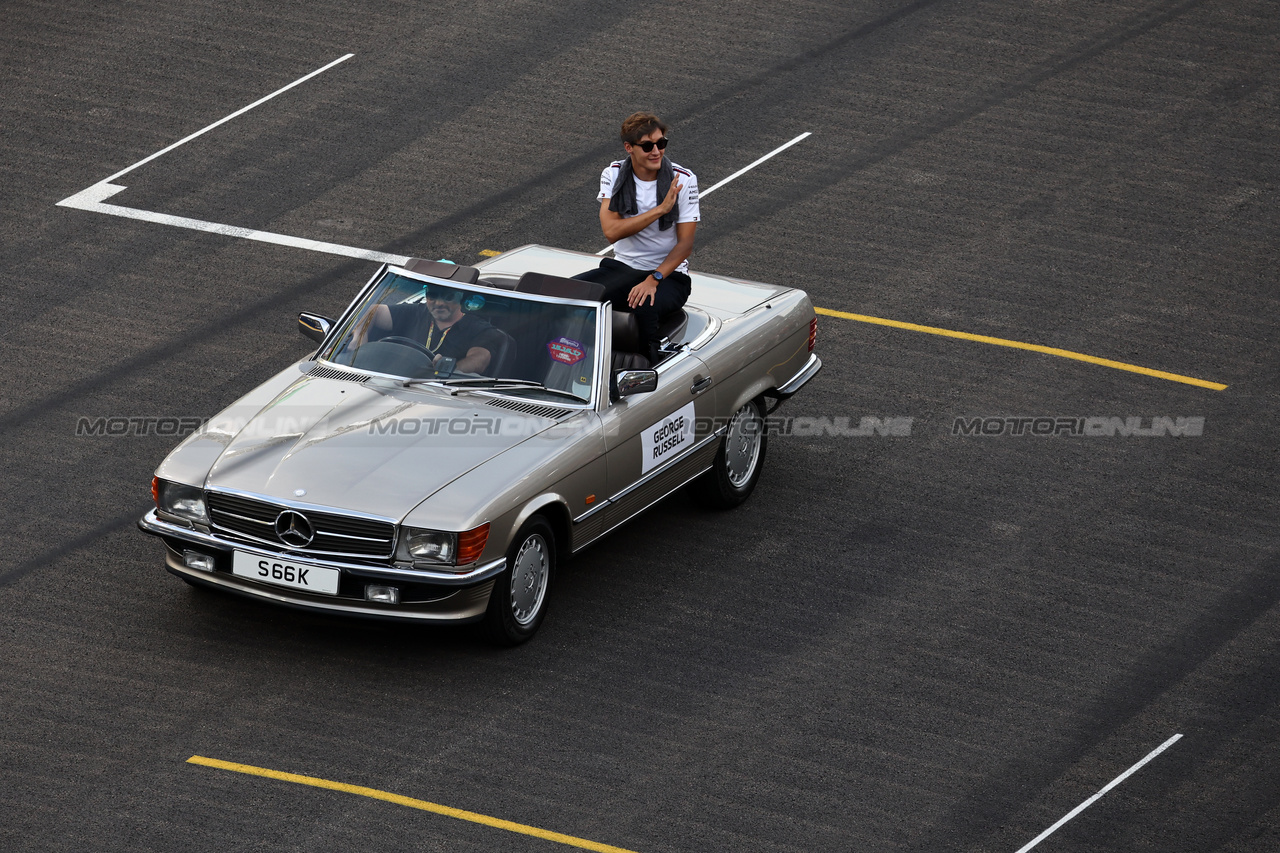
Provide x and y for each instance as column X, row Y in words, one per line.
column 658, row 441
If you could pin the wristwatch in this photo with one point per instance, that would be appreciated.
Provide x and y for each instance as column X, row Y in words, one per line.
column 657, row 275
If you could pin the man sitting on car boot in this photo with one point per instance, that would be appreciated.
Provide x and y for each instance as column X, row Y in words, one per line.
column 649, row 212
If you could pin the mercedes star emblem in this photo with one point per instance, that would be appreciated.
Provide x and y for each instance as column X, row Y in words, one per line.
column 294, row 529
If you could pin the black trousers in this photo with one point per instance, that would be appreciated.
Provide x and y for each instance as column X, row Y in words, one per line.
column 618, row 279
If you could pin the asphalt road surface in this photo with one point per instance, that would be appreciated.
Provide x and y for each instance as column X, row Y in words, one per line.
column 922, row 642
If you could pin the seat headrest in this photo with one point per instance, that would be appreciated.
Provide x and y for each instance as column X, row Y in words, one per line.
column 564, row 288
column 503, row 283
column 440, row 269
column 626, row 332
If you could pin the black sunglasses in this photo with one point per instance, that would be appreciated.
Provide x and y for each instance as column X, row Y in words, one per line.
column 646, row 146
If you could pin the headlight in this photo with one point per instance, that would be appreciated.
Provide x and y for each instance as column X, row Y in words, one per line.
column 430, row 546
column 438, row 548
column 183, row 501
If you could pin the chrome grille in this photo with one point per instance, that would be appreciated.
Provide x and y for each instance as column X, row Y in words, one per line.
column 335, row 534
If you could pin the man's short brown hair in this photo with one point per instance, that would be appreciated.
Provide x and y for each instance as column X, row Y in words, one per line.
column 639, row 125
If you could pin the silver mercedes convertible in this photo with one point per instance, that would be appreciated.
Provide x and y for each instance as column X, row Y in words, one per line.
column 382, row 477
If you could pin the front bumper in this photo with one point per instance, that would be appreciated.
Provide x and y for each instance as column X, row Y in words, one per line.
column 426, row 596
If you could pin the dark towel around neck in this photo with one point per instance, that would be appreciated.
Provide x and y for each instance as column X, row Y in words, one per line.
column 624, row 192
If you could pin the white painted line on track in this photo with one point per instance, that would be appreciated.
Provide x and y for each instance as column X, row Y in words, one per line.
column 223, row 121
column 709, row 190
column 1116, row 781
column 94, row 198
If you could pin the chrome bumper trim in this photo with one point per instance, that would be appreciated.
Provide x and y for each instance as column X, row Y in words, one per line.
column 469, row 611
column 810, row 370
column 151, row 523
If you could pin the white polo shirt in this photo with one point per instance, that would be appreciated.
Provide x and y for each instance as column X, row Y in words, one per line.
column 646, row 249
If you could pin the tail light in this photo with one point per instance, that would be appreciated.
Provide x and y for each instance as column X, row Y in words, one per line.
column 813, row 333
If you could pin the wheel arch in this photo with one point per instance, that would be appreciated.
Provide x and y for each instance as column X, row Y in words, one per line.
column 554, row 509
column 759, row 390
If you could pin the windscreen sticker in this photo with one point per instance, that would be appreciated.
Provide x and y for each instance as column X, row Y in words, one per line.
column 666, row 438
column 566, row 351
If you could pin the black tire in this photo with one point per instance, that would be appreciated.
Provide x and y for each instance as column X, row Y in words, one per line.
column 739, row 461
column 519, row 599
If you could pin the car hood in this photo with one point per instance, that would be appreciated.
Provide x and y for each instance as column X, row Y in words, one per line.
column 376, row 449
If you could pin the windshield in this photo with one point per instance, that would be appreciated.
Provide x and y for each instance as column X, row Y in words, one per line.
column 428, row 331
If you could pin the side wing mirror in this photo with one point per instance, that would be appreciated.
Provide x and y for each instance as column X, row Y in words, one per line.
column 628, row 382
column 314, row 326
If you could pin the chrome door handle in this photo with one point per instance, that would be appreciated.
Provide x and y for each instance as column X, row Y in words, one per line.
column 701, row 385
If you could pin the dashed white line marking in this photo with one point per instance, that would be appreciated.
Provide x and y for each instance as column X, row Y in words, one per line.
column 1116, row 781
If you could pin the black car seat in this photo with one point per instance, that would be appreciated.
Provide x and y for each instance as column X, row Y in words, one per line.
column 627, row 354
column 503, row 360
column 672, row 326
column 534, row 337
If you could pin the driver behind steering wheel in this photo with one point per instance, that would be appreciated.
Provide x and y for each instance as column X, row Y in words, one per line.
column 439, row 324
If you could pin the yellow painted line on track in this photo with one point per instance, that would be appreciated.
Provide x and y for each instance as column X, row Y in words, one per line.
column 1002, row 342
column 425, row 806
column 489, row 253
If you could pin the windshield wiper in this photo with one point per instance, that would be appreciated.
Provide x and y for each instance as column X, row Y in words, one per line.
column 480, row 382
column 446, row 383
column 486, row 381
column 457, row 386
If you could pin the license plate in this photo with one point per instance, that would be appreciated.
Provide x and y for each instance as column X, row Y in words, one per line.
column 285, row 572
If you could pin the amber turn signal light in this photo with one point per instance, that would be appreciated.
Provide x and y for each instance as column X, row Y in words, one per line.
column 471, row 544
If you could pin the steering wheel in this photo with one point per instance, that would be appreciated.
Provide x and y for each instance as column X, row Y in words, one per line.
column 407, row 342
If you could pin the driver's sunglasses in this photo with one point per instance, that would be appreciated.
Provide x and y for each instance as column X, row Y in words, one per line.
column 647, row 145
